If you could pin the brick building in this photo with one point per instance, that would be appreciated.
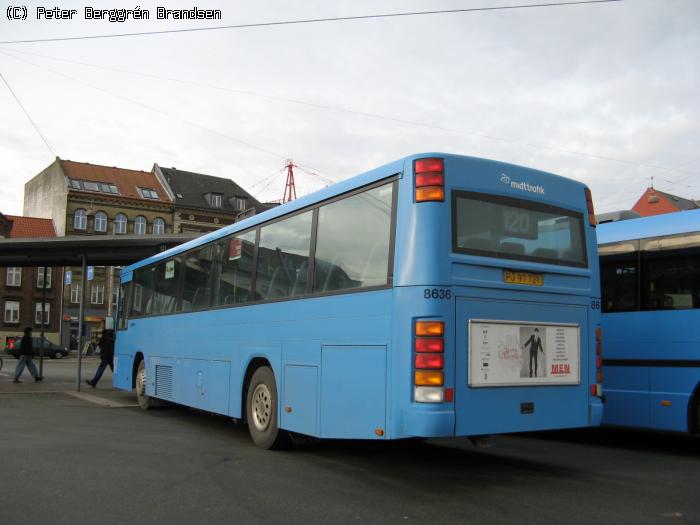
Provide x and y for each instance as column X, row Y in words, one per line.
column 89, row 199
column 21, row 289
column 655, row 202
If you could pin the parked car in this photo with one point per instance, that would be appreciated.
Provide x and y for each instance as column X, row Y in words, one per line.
column 51, row 350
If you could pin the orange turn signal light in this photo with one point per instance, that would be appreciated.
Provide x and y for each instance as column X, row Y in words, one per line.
column 430, row 193
column 429, row 378
column 430, row 328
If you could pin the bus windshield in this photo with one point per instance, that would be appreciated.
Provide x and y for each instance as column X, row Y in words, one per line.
column 508, row 228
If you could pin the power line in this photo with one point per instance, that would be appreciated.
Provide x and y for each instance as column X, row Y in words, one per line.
column 26, row 113
column 150, row 108
column 310, row 21
column 367, row 114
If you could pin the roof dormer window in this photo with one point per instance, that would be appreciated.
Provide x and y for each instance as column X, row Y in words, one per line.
column 99, row 187
column 148, row 193
column 216, row 200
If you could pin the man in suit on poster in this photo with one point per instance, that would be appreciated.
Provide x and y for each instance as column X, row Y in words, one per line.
column 535, row 344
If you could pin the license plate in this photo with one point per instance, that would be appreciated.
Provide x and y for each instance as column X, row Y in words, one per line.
column 532, row 279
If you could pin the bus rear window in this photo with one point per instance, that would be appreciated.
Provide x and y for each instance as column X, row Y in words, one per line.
column 507, row 228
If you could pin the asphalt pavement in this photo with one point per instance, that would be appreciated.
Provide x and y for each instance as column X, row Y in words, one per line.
column 97, row 458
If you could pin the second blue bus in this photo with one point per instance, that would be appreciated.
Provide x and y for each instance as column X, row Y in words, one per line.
column 650, row 271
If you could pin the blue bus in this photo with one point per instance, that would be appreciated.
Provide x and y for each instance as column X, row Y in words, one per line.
column 438, row 295
column 650, row 272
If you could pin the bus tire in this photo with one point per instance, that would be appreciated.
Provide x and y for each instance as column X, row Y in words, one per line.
column 261, row 410
column 145, row 402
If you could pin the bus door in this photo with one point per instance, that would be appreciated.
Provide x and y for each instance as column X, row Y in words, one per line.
column 519, row 365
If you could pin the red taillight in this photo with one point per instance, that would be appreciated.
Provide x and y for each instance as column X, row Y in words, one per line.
column 12, row 344
column 591, row 211
column 431, row 164
column 428, row 361
column 430, row 179
column 430, row 345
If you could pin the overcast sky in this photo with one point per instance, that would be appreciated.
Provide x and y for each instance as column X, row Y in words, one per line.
column 608, row 94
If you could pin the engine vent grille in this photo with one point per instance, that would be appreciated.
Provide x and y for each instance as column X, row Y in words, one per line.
column 164, row 381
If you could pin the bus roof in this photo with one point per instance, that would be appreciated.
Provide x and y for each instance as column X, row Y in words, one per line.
column 377, row 174
column 654, row 226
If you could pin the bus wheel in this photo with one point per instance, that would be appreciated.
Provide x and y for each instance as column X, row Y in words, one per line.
column 261, row 410
column 145, row 402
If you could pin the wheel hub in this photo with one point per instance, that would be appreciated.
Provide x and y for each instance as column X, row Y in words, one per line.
column 262, row 407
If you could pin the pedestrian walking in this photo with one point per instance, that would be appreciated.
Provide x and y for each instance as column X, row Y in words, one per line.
column 106, row 345
column 26, row 357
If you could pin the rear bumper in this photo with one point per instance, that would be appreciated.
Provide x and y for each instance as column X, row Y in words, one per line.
column 428, row 423
column 596, row 414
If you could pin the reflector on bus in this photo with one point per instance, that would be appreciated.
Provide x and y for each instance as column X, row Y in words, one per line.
column 591, row 211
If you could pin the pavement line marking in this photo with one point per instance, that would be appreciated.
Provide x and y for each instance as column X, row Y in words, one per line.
column 34, row 392
column 99, row 400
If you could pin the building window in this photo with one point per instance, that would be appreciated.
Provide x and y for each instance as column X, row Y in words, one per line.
column 75, row 184
column 14, row 276
column 120, row 223
column 158, row 226
column 148, row 193
column 80, row 219
column 75, row 293
column 97, row 293
column 37, row 313
column 40, row 277
column 239, row 203
column 91, row 186
column 216, row 199
column 140, row 225
column 12, row 311
column 108, row 188
column 100, row 221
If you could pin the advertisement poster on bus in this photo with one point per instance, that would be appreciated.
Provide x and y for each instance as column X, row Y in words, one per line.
column 504, row 353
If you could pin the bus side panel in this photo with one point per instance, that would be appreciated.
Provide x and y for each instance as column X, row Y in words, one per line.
column 638, row 395
column 626, row 395
column 671, row 390
column 353, row 392
column 212, row 348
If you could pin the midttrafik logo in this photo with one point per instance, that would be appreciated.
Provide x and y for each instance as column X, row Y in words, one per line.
column 523, row 186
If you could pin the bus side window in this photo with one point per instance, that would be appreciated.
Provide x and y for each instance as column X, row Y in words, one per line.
column 196, row 292
column 671, row 279
column 283, row 257
column 236, row 274
column 142, row 292
column 618, row 276
column 352, row 244
column 166, row 286
column 122, row 310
